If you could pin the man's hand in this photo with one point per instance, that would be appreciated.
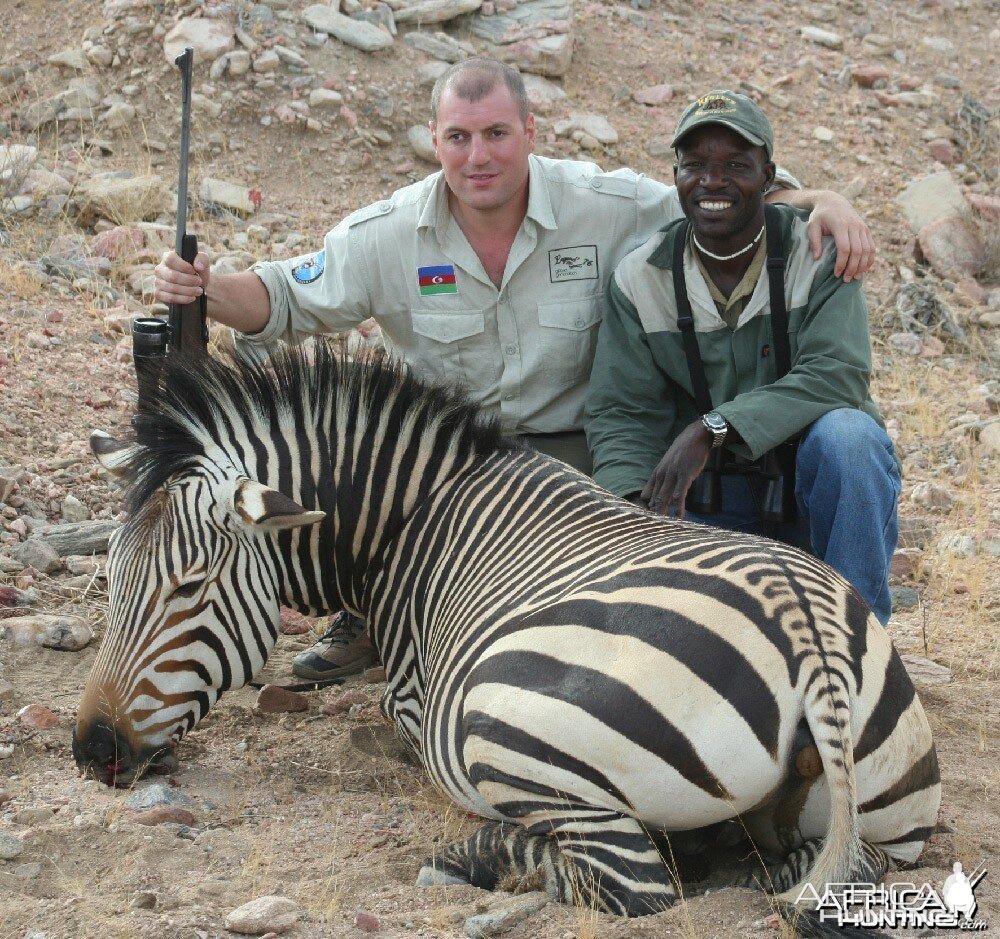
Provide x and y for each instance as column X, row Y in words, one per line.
column 833, row 215
column 176, row 281
column 668, row 486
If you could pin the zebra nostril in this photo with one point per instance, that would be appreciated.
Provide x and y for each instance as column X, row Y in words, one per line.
column 103, row 753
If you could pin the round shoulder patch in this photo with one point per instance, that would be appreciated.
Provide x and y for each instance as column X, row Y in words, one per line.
column 311, row 269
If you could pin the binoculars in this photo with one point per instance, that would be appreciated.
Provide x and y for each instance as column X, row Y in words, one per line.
column 776, row 466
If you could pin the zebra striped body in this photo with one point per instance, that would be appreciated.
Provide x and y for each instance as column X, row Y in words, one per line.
column 558, row 658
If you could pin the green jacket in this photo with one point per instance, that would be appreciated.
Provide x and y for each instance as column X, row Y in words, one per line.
column 640, row 394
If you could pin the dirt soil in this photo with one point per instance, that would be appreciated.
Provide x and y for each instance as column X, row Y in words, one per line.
column 326, row 809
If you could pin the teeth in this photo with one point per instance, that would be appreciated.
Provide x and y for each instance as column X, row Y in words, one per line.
column 715, row 206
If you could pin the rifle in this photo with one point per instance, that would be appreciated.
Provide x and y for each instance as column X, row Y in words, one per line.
column 186, row 331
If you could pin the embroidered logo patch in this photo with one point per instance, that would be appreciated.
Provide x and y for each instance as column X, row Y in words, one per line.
column 311, row 269
column 715, row 104
column 440, row 279
column 576, row 263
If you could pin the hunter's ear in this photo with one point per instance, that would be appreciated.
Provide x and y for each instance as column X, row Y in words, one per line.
column 111, row 453
column 267, row 508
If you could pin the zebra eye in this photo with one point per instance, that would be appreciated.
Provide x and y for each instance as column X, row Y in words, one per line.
column 187, row 590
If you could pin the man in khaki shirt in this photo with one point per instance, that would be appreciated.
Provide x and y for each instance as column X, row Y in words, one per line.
column 491, row 272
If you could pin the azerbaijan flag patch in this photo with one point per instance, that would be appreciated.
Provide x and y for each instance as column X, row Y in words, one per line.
column 440, row 279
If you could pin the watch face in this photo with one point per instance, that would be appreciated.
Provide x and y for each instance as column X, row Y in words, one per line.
column 716, row 423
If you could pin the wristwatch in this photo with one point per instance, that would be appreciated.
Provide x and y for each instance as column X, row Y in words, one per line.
column 717, row 426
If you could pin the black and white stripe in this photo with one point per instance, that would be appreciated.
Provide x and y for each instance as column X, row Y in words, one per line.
column 584, row 673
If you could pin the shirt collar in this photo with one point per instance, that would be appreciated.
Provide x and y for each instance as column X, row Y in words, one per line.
column 436, row 214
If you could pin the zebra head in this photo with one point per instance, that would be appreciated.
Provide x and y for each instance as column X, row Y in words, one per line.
column 194, row 600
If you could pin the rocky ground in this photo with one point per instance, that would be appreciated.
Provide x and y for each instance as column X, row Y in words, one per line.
column 300, row 116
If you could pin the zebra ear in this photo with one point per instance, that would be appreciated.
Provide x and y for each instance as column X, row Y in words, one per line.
column 111, row 453
column 267, row 508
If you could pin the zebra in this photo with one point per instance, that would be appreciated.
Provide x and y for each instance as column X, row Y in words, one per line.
column 587, row 676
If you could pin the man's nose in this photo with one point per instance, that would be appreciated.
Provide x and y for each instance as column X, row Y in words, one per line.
column 478, row 152
column 714, row 177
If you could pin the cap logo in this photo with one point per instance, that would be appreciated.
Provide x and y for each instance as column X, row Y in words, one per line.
column 711, row 104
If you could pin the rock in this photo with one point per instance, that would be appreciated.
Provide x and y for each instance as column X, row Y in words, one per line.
column 101, row 56
column 356, row 33
column 904, row 598
column 291, row 57
column 16, row 160
column 940, row 44
column 542, row 94
column 238, row 62
column 930, row 198
column 34, row 815
column 143, row 900
column 924, row 671
column 321, row 99
column 230, row 195
column 49, row 631
column 904, row 563
column 952, row 247
column 989, row 437
column 120, row 200
column 73, row 510
column 956, row 545
column 868, row 75
column 905, row 343
column 822, row 37
column 161, row 814
column 5, row 797
column 434, row 11
column 428, row 74
column 14, row 597
column 209, row 38
column 970, row 290
column 943, row 151
column 274, row 699
column 823, row 134
column 990, row 320
column 988, row 206
column 293, row 623
column 653, row 95
column 366, row 922
column 505, row 914
column 419, row 137
column 155, row 795
column 547, row 55
column 266, row 61
column 933, row 495
column 39, row 555
column 342, row 702
column 265, row 914
column 120, row 114
column 78, row 537
column 37, row 716
column 596, row 125
column 6, row 691
column 74, row 59
column 10, row 847
column 439, row 45
column 115, row 243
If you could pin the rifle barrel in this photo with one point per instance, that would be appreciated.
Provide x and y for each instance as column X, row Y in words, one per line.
column 184, row 62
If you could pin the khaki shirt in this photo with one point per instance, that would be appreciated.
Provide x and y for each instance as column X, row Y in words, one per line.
column 732, row 306
column 523, row 351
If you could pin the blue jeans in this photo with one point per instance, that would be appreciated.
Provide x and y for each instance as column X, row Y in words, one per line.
column 847, row 487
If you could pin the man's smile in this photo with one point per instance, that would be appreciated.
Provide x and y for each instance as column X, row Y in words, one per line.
column 715, row 205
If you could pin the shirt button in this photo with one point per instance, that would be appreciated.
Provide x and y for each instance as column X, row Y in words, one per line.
column 511, row 350
column 578, row 322
column 597, row 184
column 508, row 397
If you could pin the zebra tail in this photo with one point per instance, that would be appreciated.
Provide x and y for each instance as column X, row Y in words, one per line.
column 828, row 707
column 808, row 925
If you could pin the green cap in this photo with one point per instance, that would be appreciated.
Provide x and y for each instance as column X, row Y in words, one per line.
column 732, row 110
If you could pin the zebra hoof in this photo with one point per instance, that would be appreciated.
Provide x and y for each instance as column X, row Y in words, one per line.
column 431, row 876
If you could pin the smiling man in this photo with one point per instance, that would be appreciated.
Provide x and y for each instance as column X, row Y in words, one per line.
column 490, row 273
column 726, row 338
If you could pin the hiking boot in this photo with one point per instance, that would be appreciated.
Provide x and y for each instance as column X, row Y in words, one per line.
column 344, row 649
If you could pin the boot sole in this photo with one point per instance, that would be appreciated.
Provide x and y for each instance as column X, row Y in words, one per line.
column 341, row 671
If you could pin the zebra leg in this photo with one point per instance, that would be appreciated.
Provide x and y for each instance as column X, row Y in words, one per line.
column 495, row 853
column 782, row 876
column 609, row 864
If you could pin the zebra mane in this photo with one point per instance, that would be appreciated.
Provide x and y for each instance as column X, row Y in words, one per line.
column 203, row 400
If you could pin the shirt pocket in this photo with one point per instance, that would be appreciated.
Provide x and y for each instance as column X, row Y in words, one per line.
column 568, row 334
column 447, row 345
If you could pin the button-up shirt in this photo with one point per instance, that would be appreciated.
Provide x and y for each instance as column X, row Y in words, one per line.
column 523, row 350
